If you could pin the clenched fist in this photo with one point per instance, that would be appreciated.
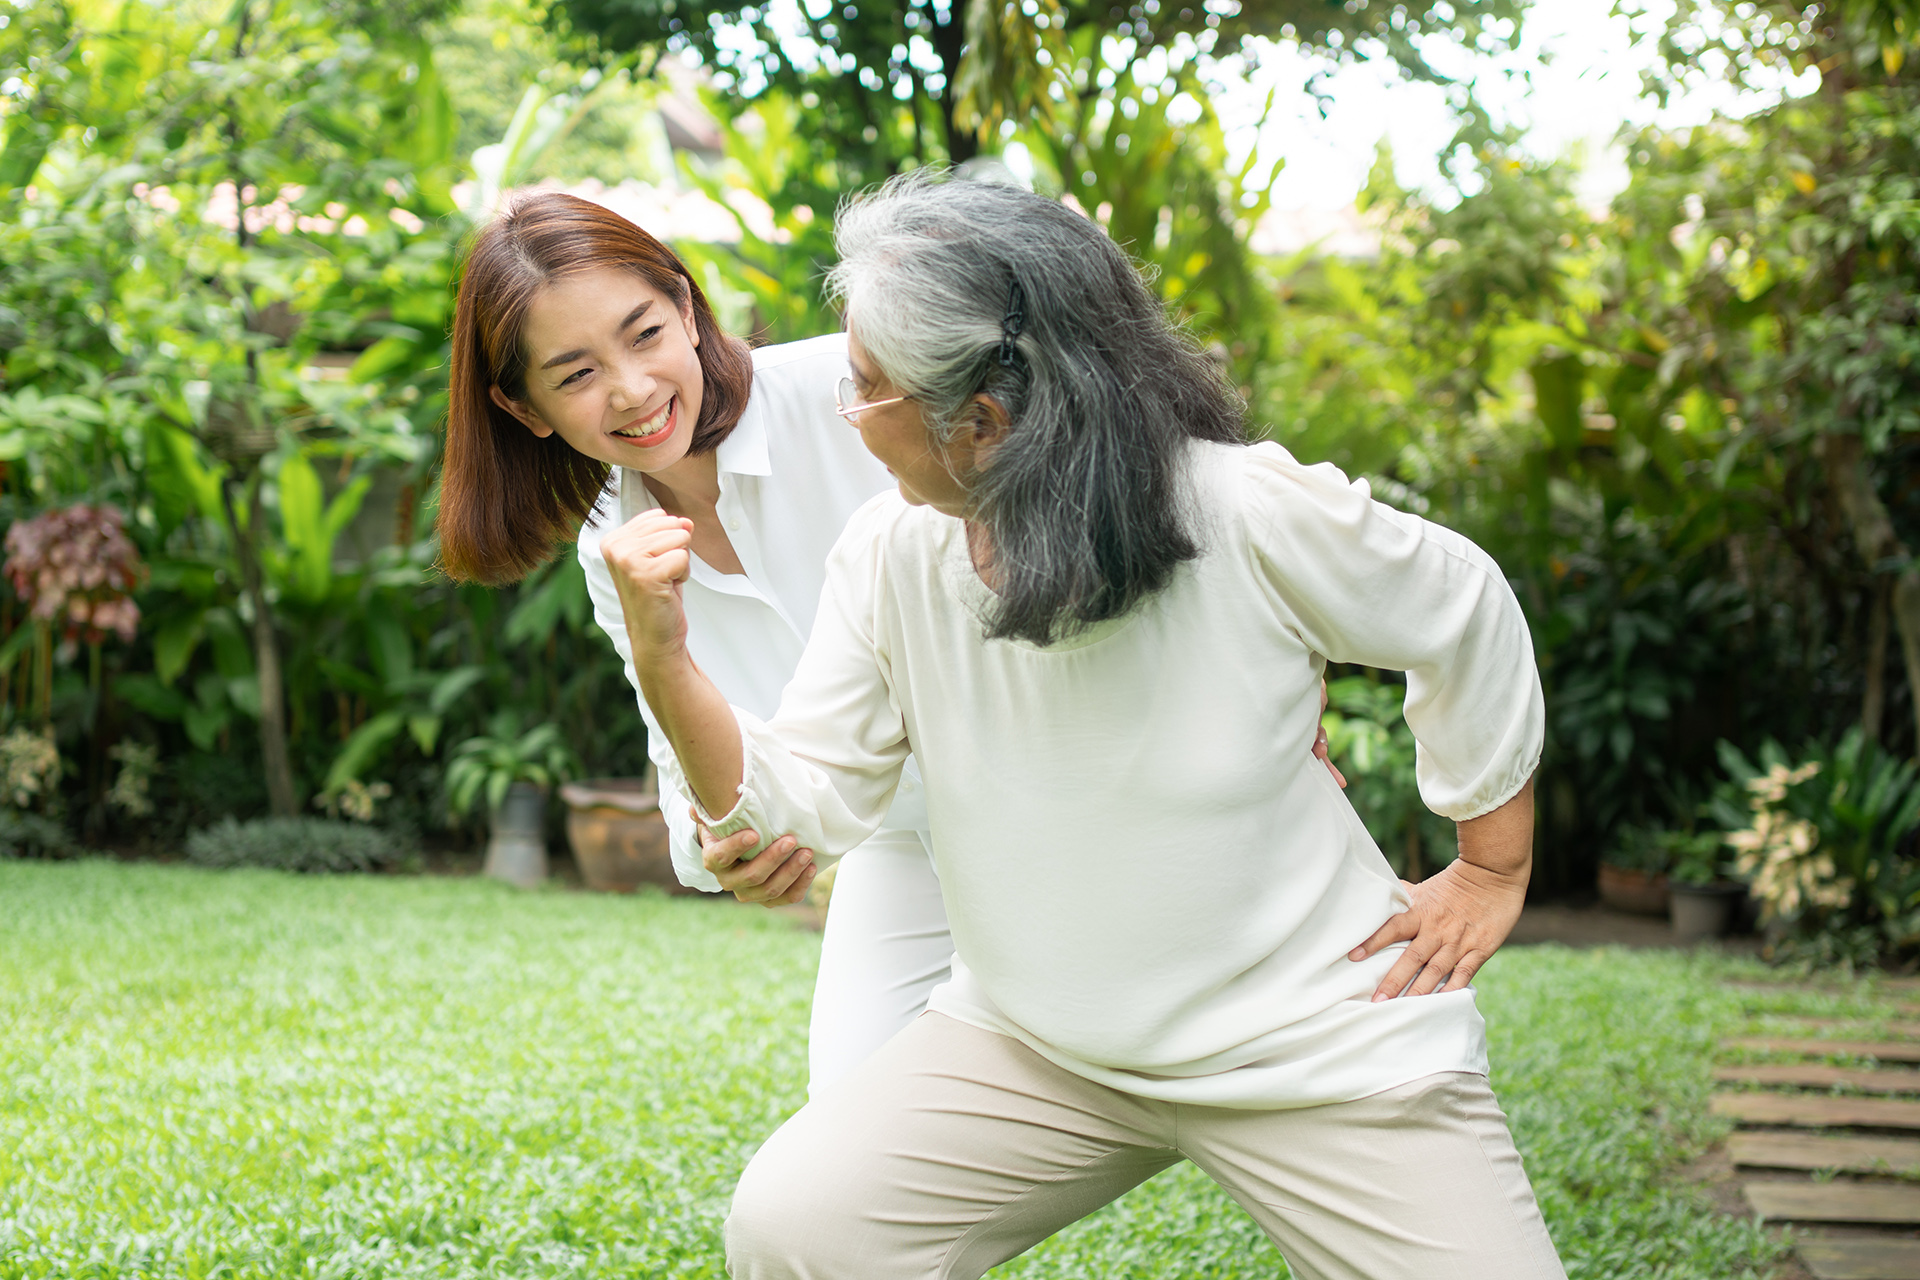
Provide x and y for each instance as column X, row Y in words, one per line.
column 650, row 557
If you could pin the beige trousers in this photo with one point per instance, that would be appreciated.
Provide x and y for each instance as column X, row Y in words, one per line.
column 953, row 1149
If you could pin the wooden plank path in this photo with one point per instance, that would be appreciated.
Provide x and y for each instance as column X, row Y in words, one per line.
column 1884, row 1050
column 1886, row 1031
column 1815, row 1075
column 1818, row 1110
column 1813, row 1152
column 1808, row 1116
column 1860, row 1257
column 1834, row 1202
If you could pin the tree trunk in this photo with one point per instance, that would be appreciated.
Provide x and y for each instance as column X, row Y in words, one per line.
column 1873, row 702
column 1414, row 872
column 1906, row 613
column 266, row 648
column 1877, row 543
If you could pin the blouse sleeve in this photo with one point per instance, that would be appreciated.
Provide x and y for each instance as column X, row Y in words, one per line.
column 1363, row 583
column 683, row 838
column 827, row 766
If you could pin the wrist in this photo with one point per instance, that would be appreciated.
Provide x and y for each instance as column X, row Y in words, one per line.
column 662, row 667
column 1494, row 878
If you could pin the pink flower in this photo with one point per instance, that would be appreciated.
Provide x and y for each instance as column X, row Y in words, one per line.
column 77, row 562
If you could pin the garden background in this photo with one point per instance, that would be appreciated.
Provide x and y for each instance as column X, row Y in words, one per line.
column 1683, row 422
column 1683, row 418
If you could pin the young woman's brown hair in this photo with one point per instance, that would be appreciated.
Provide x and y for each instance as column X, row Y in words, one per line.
column 507, row 496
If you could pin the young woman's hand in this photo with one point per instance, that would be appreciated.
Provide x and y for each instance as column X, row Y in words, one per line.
column 650, row 557
column 781, row 874
column 1320, row 752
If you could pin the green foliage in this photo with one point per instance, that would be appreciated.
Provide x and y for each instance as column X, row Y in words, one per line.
column 33, row 835
column 913, row 80
column 1688, row 856
column 1828, row 845
column 1369, row 740
column 313, row 846
column 261, row 389
column 486, row 765
column 1684, row 425
column 442, row 1077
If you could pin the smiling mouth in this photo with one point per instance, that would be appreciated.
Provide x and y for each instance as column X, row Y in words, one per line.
column 646, row 432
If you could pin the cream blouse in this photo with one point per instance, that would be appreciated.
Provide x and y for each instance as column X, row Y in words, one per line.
column 1150, row 879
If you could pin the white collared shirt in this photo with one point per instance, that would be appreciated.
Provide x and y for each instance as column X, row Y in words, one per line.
column 791, row 473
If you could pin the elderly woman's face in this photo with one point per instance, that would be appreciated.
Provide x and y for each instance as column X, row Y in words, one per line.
column 897, row 435
column 612, row 368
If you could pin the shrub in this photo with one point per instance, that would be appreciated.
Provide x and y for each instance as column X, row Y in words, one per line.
column 312, row 845
column 28, row 835
column 1827, row 845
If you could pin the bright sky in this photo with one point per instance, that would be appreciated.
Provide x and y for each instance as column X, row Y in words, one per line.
column 1585, row 73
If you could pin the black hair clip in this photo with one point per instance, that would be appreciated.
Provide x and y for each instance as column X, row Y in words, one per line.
column 1010, row 327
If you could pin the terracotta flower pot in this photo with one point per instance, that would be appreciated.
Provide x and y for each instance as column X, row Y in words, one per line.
column 1635, row 891
column 618, row 835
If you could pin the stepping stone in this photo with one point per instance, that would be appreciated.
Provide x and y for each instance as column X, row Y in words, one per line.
column 1860, row 1257
column 1889, row 1051
column 1834, row 1202
column 1819, row 1151
column 1818, row 1111
column 1815, row 1075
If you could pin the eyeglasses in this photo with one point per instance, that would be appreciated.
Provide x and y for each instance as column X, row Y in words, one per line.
column 845, row 404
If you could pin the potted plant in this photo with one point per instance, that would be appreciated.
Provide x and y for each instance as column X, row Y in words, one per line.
column 513, row 772
column 618, row 834
column 1702, row 898
column 1633, row 874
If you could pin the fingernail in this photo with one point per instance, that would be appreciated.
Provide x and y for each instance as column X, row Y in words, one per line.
column 1358, row 953
column 1378, row 996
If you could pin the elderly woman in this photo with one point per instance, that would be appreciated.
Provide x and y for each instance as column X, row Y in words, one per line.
column 1100, row 622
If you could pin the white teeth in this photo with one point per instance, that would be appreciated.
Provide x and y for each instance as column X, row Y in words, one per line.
column 650, row 426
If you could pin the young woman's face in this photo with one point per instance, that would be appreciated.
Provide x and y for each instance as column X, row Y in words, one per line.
column 612, row 369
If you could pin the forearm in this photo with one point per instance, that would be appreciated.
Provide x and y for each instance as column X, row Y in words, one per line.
column 1502, row 841
column 700, row 726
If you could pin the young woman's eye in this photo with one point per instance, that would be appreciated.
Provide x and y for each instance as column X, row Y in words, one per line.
column 646, row 334
column 574, row 377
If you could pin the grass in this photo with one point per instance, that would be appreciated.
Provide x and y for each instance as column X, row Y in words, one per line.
column 246, row 1074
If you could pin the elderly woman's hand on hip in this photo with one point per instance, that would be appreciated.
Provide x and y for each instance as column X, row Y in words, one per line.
column 1461, row 916
column 650, row 557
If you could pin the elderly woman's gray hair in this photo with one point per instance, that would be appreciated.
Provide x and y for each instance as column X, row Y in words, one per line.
column 1083, row 503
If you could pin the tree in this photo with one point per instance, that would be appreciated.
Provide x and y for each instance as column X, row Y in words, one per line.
column 209, row 170
column 896, row 80
column 1805, row 308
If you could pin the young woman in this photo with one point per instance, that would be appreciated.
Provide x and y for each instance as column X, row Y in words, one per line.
column 591, row 383
column 1100, row 620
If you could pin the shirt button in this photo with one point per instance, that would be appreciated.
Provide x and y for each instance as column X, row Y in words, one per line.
column 907, row 785
column 734, row 524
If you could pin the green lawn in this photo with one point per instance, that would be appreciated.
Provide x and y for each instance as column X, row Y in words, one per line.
column 242, row 1074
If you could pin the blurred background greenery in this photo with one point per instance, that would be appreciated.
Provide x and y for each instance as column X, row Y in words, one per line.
column 1684, row 420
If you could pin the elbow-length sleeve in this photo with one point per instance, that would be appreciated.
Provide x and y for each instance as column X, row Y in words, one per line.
column 1363, row 583
column 826, row 767
column 683, row 838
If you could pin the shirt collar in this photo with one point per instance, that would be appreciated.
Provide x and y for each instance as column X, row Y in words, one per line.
column 744, row 451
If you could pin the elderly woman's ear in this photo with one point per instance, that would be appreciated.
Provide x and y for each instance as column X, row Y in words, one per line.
column 984, row 425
